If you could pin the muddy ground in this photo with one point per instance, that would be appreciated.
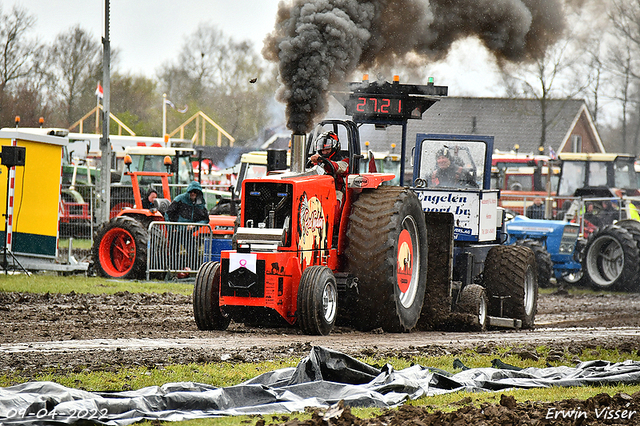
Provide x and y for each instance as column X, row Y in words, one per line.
column 76, row 332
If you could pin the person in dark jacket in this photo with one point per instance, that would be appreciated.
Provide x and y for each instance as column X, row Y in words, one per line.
column 149, row 198
column 189, row 206
column 536, row 210
column 608, row 214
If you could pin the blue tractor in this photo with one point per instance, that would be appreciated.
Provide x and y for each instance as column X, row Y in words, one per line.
column 555, row 244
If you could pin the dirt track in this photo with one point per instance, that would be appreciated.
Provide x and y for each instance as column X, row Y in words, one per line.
column 44, row 330
column 78, row 332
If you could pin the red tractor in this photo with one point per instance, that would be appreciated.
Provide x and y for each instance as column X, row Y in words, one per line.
column 292, row 257
column 396, row 258
column 120, row 245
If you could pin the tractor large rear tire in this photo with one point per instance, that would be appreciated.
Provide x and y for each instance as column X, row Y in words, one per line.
column 387, row 252
column 206, row 299
column 317, row 301
column 611, row 258
column 120, row 249
column 543, row 261
column 633, row 227
column 510, row 278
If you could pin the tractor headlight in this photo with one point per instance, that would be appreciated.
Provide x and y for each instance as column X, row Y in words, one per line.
column 569, row 238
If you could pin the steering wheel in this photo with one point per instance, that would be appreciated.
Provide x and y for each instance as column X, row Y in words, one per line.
column 332, row 170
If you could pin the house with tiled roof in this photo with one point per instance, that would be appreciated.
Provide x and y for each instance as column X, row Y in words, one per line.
column 514, row 124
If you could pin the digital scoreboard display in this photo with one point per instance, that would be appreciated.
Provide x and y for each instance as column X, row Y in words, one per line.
column 376, row 105
column 390, row 102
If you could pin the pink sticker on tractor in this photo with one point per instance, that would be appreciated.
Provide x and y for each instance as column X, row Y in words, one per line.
column 405, row 260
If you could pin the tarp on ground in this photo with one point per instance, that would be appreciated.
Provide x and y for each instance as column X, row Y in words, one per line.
column 320, row 380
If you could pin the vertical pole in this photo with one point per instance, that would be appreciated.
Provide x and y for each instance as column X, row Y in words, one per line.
column 402, row 153
column 7, row 238
column 97, row 115
column 164, row 114
column 105, row 145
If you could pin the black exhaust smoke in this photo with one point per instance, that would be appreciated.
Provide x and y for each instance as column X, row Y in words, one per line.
column 318, row 43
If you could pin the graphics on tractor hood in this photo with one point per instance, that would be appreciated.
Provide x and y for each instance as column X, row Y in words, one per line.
column 313, row 228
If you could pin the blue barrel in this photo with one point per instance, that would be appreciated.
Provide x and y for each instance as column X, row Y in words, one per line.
column 213, row 247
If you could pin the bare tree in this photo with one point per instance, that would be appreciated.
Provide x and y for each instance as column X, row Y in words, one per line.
column 548, row 76
column 17, row 51
column 226, row 79
column 624, row 61
column 75, row 64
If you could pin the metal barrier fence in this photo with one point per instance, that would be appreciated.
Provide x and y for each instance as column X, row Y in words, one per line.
column 179, row 247
column 552, row 207
column 77, row 212
column 590, row 213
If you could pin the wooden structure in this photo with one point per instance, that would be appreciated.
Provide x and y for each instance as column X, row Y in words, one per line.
column 96, row 110
column 199, row 137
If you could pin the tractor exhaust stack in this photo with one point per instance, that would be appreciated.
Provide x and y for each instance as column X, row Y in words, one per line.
column 298, row 157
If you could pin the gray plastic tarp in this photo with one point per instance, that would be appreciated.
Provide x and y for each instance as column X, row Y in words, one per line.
column 320, row 380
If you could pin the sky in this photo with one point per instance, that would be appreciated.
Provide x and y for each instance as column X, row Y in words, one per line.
column 149, row 33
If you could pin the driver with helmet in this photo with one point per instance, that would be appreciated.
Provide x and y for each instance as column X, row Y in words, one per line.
column 449, row 174
column 328, row 152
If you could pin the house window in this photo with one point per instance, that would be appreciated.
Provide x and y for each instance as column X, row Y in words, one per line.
column 576, row 143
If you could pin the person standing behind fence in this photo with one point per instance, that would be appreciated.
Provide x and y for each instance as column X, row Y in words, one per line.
column 189, row 206
column 608, row 214
column 147, row 201
column 536, row 210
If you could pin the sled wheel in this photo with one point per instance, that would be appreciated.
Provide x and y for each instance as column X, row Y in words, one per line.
column 120, row 249
column 611, row 259
column 571, row 278
column 510, row 275
column 206, row 299
column 387, row 252
column 473, row 301
column 543, row 261
column 317, row 301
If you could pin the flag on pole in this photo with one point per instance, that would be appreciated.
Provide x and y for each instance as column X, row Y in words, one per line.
column 99, row 92
column 552, row 153
column 171, row 104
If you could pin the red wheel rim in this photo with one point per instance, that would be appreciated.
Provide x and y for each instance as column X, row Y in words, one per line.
column 117, row 252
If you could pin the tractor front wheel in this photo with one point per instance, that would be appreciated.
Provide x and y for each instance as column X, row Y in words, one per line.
column 511, row 281
column 543, row 261
column 317, row 301
column 120, row 249
column 206, row 299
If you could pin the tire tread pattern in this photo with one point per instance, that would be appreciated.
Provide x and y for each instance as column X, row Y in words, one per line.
column 311, row 319
column 468, row 303
column 505, row 275
column 206, row 299
column 374, row 224
column 543, row 261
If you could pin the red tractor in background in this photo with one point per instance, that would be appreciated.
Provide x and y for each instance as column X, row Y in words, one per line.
column 386, row 263
column 120, row 246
